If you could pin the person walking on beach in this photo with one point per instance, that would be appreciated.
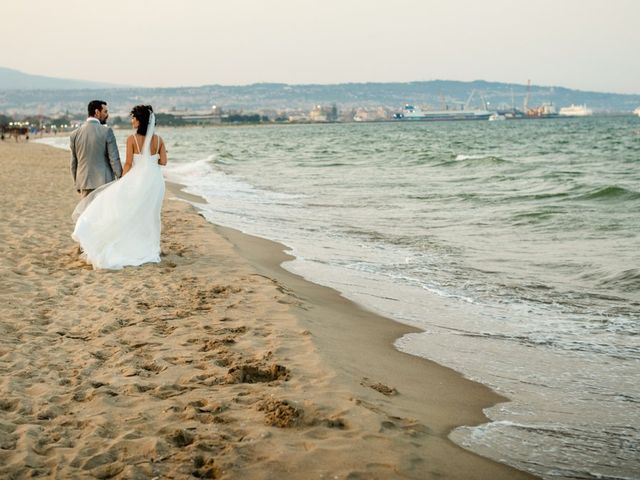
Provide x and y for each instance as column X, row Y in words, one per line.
column 118, row 224
column 95, row 160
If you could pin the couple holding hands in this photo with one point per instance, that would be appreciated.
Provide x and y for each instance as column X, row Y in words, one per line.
column 118, row 218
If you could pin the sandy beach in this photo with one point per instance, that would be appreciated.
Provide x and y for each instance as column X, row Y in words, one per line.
column 215, row 363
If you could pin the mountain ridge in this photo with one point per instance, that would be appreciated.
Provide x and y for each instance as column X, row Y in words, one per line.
column 11, row 79
column 278, row 96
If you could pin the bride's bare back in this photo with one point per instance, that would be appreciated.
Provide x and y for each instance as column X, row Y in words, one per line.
column 133, row 147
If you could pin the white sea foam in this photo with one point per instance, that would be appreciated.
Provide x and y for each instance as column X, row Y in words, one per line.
column 61, row 142
column 471, row 157
column 189, row 171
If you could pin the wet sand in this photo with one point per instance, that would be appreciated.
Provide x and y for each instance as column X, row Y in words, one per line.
column 215, row 363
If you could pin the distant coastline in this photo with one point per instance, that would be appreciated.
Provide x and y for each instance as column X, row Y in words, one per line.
column 40, row 126
column 45, row 103
column 58, row 98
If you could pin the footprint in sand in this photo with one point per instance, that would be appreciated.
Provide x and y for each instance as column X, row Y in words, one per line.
column 256, row 373
column 379, row 387
column 280, row 413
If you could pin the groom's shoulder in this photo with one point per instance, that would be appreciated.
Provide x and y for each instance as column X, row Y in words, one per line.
column 75, row 132
column 81, row 128
column 91, row 130
column 108, row 130
column 101, row 129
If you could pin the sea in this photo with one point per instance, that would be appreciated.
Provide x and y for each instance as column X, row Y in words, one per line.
column 513, row 246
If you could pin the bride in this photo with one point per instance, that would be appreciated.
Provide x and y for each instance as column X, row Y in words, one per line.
column 118, row 224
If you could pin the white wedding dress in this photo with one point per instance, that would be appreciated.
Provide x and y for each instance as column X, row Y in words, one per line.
column 118, row 224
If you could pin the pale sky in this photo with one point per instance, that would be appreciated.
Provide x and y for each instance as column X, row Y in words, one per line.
column 582, row 44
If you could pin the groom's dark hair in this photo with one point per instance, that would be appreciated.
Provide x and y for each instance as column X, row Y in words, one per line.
column 95, row 105
column 142, row 114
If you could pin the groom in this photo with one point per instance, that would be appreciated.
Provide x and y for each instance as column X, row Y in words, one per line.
column 94, row 152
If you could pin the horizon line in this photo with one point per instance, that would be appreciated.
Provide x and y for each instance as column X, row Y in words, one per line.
column 109, row 85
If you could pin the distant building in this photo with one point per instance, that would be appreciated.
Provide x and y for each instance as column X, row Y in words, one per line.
column 322, row 113
column 297, row 116
column 214, row 116
column 375, row 114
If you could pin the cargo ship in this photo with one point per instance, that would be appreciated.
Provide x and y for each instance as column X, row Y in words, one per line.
column 576, row 111
column 546, row 110
column 412, row 113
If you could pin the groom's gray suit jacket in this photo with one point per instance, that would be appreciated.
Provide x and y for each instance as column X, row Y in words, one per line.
column 94, row 156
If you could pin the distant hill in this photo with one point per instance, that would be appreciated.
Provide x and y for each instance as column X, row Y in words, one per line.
column 15, row 80
column 72, row 96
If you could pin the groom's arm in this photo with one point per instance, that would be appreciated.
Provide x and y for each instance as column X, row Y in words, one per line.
column 74, row 157
column 112, row 153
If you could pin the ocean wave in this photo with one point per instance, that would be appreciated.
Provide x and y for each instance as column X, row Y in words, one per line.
column 184, row 171
column 473, row 160
column 626, row 281
column 488, row 157
column 611, row 192
column 578, row 451
column 61, row 142
column 224, row 158
column 322, row 165
column 540, row 196
column 471, row 157
column 535, row 217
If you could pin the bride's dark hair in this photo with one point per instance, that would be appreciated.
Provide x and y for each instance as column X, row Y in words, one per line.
column 142, row 114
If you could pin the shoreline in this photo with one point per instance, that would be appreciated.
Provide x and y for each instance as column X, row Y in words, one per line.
column 326, row 320
column 337, row 399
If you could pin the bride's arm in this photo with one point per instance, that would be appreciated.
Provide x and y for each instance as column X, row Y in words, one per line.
column 162, row 152
column 129, row 160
